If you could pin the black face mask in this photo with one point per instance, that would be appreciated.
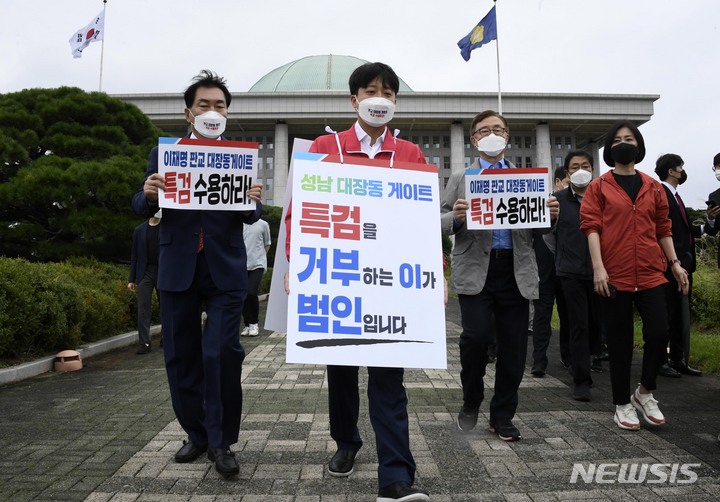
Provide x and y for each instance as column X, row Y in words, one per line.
column 683, row 177
column 624, row 153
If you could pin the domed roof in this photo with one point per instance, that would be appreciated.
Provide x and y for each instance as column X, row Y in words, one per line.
column 313, row 73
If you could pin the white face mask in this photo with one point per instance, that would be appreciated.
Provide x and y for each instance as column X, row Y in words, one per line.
column 491, row 145
column 210, row 124
column 376, row 112
column 581, row 178
column 717, row 175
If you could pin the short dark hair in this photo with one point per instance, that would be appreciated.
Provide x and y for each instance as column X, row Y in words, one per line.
column 366, row 73
column 716, row 160
column 206, row 78
column 560, row 173
column 666, row 162
column 483, row 115
column 610, row 137
column 577, row 153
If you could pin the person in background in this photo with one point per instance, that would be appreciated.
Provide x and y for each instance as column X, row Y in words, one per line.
column 713, row 206
column 143, row 275
column 257, row 242
column 550, row 293
column 629, row 269
column 202, row 262
column 574, row 269
column 669, row 168
column 495, row 275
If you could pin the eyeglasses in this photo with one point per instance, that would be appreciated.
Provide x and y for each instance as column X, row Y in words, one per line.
column 485, row 131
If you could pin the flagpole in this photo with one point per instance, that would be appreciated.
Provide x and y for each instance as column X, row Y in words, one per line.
column 102, row 47
column 497, row 59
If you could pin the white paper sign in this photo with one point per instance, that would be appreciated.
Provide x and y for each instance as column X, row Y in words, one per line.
column 276, row 313
column 507, row 198
column 207, row 174
column 366, row 274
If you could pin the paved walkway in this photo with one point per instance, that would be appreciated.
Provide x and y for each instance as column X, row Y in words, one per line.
column 108, row 433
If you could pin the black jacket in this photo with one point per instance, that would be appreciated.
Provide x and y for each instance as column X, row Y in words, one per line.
column 715, row 229
column 572, row 254
column 683, row 234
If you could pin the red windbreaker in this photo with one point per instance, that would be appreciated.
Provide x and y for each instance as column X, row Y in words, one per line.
column 629, row 232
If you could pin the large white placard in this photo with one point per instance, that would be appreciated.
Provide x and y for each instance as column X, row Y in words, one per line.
column 366, row 273
column 507, row 198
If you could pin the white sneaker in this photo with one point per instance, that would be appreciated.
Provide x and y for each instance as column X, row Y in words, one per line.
column 626, row 418
column 245, row 332
column 254, row 330
column 647, row 405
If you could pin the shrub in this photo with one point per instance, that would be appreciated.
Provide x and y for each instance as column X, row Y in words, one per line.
column 49, row 307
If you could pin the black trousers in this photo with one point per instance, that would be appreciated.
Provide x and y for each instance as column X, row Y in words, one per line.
column 583, row 311
column 251, row 309
column 679, row 346
column 144, row 303
column 387, row 401
column 500, row 297
column 618, row 315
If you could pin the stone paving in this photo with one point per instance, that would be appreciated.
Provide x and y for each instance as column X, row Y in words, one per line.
column 108, row 433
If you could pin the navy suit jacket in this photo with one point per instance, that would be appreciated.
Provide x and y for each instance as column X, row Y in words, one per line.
column 179, row 236
column 681, row 234
column 138, row 258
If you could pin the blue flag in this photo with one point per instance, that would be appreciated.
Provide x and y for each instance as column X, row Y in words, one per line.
column 484, row 32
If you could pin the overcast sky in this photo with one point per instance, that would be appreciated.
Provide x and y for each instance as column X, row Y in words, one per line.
column 666, row 47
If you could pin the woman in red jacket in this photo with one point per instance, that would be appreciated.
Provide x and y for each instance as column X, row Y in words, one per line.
column 624, row 215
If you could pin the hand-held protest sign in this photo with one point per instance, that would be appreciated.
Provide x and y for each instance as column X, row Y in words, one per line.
column 206, row 174
column 507, row 198
column 366, row 274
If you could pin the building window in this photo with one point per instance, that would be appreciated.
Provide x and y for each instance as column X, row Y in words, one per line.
column 269, row 143
column 426, row 142
column 568, row 143
column 518, row 161
column 269, row 184
column 517, row 142
column 558, row 162
column 436, row 141
column 528, row 162
column 436, row 161
column 558, row 142
column 446, row 141
column 528, row 141
column 269, row 163
column 446, row 162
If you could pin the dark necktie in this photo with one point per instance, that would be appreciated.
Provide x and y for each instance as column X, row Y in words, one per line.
column 683, row 213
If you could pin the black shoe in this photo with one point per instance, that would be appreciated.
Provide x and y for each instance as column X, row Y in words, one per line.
column 189, row 452
column 341, row 464
column 224, row 459
column 402, row 492
column 144, row 349
column 467, row 419
column 682, row 366
column 505, row 429
column 537, row 372
column 581, row 391
column 604, row 355
column 596, row 364
column 666, row 371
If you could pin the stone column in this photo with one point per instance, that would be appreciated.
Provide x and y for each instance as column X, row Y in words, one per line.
column 282, row 164
column 457, row 147
column 543, row 155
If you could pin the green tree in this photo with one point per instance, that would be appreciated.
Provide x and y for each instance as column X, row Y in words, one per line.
column 70, row 162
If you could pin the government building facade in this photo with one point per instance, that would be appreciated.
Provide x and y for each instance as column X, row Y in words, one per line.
column 301, row 98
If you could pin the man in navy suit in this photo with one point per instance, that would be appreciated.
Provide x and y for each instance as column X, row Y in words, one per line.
column 202, row 263
column 143, row 275
column 669, row 168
